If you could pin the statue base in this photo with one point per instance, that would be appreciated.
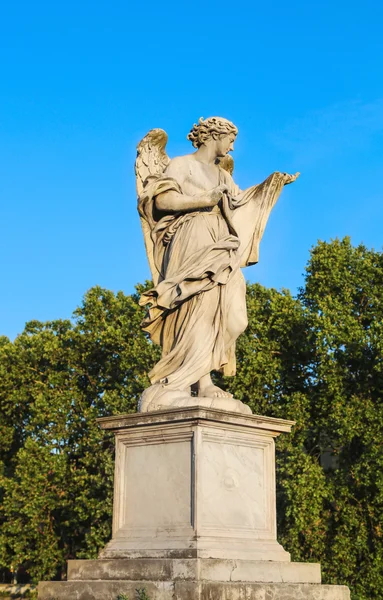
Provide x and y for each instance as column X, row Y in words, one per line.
column 191, row 579
column 194, row 514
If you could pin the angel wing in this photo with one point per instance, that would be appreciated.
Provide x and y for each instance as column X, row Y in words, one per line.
column 151, row 161
column 151, row 157
column 227, row 163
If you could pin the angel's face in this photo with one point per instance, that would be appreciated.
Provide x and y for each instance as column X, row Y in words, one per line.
column 224, row 144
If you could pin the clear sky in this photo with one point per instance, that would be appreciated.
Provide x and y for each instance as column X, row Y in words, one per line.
column 82, row 82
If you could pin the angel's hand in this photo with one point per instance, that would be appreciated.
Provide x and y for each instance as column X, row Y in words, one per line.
column 289, row 178
column 216, row 194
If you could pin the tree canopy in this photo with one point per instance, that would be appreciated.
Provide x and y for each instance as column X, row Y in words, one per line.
column 316, row 358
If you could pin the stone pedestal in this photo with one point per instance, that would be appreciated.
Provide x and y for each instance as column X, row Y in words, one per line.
column 195, row 483
column 194, row 514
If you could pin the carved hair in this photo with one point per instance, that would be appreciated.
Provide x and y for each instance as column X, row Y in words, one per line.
column 213, row 127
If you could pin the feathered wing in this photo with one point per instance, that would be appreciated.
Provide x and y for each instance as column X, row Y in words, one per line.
column 227, row 163
column 151, row 162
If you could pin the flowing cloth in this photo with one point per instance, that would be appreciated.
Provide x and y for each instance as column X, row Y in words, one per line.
column 197, row 308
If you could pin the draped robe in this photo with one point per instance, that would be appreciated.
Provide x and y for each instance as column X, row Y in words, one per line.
column 197, row 308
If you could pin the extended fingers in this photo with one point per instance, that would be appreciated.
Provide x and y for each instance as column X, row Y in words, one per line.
column 290, row 178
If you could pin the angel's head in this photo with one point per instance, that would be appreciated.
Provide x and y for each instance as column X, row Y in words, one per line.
column 215, row 130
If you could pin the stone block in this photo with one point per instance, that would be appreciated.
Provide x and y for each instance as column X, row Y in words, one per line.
column 197, row 569
column 258, row 591
column 195, row 483
column 103, row 590
column 189, row 590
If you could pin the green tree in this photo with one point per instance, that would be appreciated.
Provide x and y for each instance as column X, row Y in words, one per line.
column 318, row 359
column 56, row 470
column 344, row 298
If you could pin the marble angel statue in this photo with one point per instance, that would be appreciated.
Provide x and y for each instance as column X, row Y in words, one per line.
column 199, row 230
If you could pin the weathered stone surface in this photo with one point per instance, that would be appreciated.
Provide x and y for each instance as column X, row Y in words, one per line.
column 192, row 579
column 177, row 415
column 189, row 590
column 194, row 570
column 121, row 569
column 259, row 571
column 103, row 590
column 258, row 591
column 195, row 483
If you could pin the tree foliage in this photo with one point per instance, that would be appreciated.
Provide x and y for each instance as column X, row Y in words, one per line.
column 316, row 359
column 56, row 465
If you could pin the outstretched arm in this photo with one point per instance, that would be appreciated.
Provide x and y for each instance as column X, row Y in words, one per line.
column 285, row 179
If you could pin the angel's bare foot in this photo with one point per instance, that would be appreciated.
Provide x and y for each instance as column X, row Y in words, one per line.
column 207, row 389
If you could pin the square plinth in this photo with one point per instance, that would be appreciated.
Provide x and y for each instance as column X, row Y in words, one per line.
column 191, row 579
column 195, row 483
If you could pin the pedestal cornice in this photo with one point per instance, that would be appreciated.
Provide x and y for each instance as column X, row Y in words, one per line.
column 195, row 414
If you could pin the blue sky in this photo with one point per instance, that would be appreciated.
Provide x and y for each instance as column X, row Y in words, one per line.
column 82, row 82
